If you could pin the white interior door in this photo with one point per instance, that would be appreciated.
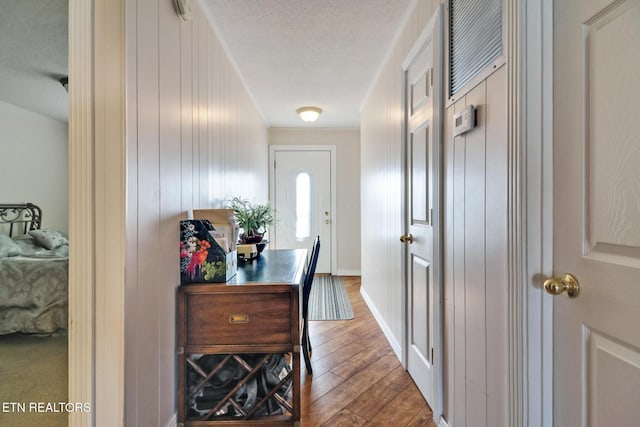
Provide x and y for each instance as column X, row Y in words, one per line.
column 597, row 212
column 423, row 102
column 302, row 202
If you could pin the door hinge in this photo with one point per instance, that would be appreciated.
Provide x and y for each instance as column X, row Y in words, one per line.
column 431, row 76
column 274, row 164
column 432, row 355
column 430, row 215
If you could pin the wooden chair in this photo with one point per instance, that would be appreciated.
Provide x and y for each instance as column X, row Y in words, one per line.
column 306, row 291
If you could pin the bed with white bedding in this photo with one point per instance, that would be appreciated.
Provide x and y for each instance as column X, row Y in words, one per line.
column 33, row 273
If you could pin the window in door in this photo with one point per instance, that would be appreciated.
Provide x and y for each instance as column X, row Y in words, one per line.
column 303, row 206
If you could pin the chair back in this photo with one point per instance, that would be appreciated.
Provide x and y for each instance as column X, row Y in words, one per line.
column 313, row 260
column 308, row 280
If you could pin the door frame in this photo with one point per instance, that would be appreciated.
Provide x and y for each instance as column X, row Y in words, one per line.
column 435, row 28
column 537, row 220
column 97, row 210
column 535, row 308
column 333, row 185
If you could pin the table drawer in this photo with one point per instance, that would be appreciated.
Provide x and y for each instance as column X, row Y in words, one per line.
column 238, row 318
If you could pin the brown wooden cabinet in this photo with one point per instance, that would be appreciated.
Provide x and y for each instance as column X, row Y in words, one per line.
column 239, row 345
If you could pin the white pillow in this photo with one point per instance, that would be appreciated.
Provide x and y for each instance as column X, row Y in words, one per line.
column 49, row 239
column 8, row 247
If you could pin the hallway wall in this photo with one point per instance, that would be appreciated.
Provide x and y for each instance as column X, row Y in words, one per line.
column 475, row 257
column 194, row 137
column 381, row 199
column 475, row 241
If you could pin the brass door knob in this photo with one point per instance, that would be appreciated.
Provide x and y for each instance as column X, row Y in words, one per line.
column 557, row 285
column 406, row 238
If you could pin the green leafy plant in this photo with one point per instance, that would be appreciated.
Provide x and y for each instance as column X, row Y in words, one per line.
column 252, row 218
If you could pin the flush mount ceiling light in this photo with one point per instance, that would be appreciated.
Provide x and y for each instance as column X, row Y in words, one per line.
column 309, row 114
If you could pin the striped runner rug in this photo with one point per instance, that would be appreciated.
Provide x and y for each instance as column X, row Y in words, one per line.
column 328, row 299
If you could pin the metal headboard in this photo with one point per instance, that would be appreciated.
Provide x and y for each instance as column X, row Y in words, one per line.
column 25, row 216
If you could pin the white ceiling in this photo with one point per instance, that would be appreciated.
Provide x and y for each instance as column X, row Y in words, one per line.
column 290, row 53
column 293, row 53
column 33, row 55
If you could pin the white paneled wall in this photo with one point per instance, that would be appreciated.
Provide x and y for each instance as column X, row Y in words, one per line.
column 194, row 138
column 476, row 179
column 475, row 240
column 381, row 199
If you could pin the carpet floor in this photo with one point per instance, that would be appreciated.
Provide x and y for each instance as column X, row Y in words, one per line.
column 33, row 369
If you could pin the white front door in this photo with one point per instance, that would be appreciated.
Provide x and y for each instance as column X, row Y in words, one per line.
column 302, row 201
column 597, row 212
column 423, row 103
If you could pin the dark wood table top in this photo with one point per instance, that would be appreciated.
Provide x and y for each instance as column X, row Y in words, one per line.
column 273, row 266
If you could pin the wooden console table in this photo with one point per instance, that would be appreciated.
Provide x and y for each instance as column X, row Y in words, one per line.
column 239, row 345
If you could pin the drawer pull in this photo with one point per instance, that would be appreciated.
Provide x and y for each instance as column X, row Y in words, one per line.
column 239, row 318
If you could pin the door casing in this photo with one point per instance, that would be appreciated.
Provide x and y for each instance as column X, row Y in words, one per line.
column 537, row 194
column 536, row 368
column 97, row 210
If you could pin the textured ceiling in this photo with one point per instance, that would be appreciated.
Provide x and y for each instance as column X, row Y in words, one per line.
column 33, row 55
column 290, row 53
column 293, row 53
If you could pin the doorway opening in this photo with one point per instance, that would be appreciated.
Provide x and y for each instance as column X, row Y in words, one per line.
column 303, row 194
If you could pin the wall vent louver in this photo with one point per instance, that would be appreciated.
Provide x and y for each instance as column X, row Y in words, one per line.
column 475, row 39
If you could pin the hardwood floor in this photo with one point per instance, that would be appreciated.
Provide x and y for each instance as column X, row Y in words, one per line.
column 357, row 379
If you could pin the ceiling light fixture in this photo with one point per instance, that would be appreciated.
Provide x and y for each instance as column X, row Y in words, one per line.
column 309, row 114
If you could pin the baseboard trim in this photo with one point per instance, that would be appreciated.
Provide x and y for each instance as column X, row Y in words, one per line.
column 395, row 345
column 173, row 421
column 442, row 422
column 347, row 272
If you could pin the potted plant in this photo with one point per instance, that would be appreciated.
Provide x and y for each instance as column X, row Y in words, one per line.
column 252, row 218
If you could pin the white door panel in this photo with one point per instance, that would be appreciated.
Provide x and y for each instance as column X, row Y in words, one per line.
column 302, row 202
column 597, row 212
column 423, row 101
